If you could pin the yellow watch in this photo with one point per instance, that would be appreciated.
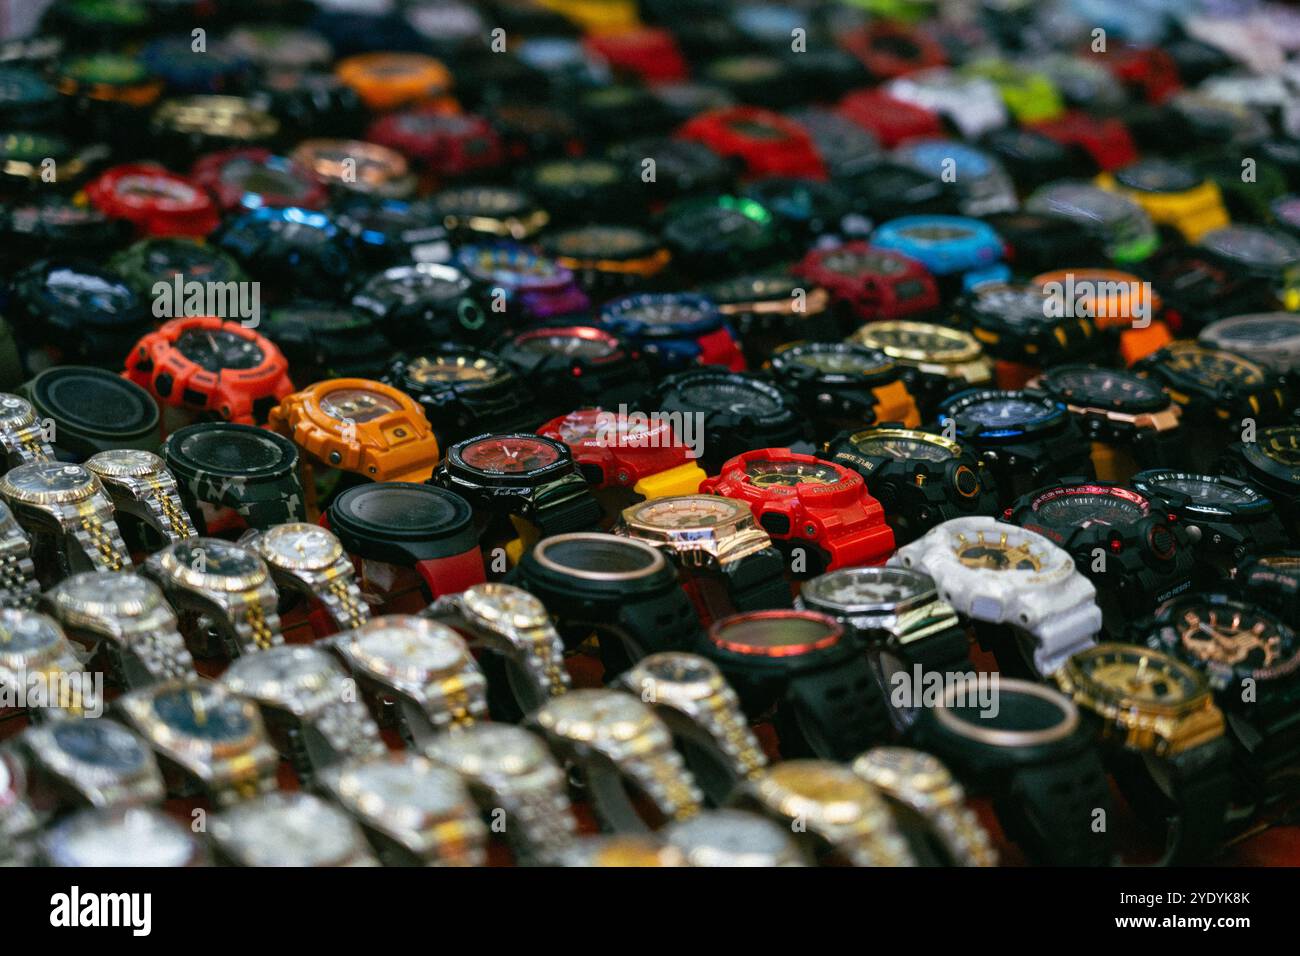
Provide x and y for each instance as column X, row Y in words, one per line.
column 1172, row 195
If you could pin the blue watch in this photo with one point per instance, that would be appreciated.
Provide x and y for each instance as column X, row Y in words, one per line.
column 982, row 182
column 675, row 330
column 949, row 246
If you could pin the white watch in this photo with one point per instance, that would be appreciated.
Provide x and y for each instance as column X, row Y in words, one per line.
column 971, row 103
column 1002, row 574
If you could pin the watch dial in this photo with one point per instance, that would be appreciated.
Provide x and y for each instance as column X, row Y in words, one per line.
column 1235, row 635
column 217, row 349
column 1139, row 674
column 935, row 233
column 108, row 589
column 1158, row 175
column 1084, row 509
column 1282, row 445
column 489, row 748
column 1001, row 555
column 276, row 671
column 23, row 632
column 666, row 313
column 729, row 837
column 49, row 477
column 902, row 447
column 599, row 554
column 842, row 361
column 877, row 587
column 101, row 743
column 302, row 545
column 205, row 713
column 357, row 405
column 694, row 511
column 410, row 784
column 914, row 337
column 587, row 346
column 496, row 601
column 1264, row 330
column 139, row 837
column 1107, row 386
column 736, row 396
column 290, row 830
column 231, row 450
column 1019, row 306
column 15, row 411
column 413, row 649
column 1204, row 490
column 88, row 291
column 1253, row 245
column 1212, row 367
column 461, row 368
column 677, row 668
column 855, row 262
column 212, row 556
column 1020, row 712
column 512, row 455
column 1006, row 412
column 787, row 474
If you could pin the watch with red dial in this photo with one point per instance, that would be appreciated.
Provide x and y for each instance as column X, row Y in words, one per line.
column 153, row 199
column 803, row 500
column 876, row 284
column 764, row 142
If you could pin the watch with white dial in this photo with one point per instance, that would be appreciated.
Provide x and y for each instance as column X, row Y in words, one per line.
column 21, row 435
column 69, row 503
column 140, row 484
column 309, row 559
column 38, row 664
column 289, row 829
column 122, row 836
column 18, row 587
column 95, row 762
column 730, row 837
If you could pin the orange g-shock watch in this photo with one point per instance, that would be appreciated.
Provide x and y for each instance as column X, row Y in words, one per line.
column 389, row 81
column 1119, row 303
column 361, row 426
column 212, row 367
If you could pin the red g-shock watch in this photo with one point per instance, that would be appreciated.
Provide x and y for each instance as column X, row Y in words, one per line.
column 889, row 49
column 447, row 145
column 253, row 178
column 1147, row 70
column 891, row 120
column 767, row 143
column 1106, row 140
column 155, row 200
column 209, row 365
column 876, row 284
column 803, row 500
column 648, row 53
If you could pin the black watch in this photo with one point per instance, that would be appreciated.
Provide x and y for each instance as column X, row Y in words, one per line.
column 1013, row 323
column 607, row 259
column 719, row 235
column 94, row 410
column 921, row 479
column 175, row 262
column 840, row 386
column 890, row 190
column 250, row 470
column 1272, row 579
column 426, row 301
column 1039, row 242
column 1272, row 464
column 767, row 309
column 682, row 168
column 805, row 210
column 488, row 212
column 1257, row 252
column 51, row 225
column 322, row 339
column 391, row 232
column 1197, row 288
column 576, row 366
column 295, row 252
column 577, row 190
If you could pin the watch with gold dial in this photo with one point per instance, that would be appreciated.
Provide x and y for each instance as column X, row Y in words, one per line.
column 66, row 505
column 140, row 485
column 938, row 360
column 309, row 559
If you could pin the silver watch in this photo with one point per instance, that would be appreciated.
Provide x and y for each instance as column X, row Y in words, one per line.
column 1271, row 339
column 511, row 770
column 18, row 587
column 122, row 836
column 39, row 669
column 96, row 762
column 731, row 837
column 310, row 560
column 18, row 820
column 289, row 829
column 310, row 705
column 126, row 614
column 69, row 503
column 21, row 435
column 140, row 484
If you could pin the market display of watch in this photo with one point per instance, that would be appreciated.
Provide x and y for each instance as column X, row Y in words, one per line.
column 1272, row 464
column 841, row 385
column 674, row 331
column 98, row 763
column 67, row 504
column 39, row 667
column 940, row 360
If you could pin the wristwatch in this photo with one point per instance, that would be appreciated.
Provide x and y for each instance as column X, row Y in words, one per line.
column 995, row 573
column 1250, row 657
column 737, row 410
column 719, row 235
column 733, row 838
column 890, row 119
column 918, row 783
column 122, row 836
column 1024, row 439
column 309, row 559
column 292, row 251
column 393, row 232
column 89, row 410
column 515, row 626
column 579, row 189
column 157, row 202
column 1105, row 140
column 289, row 829
column 18, row 820
column 426, row 667
column 1123, row 541
column 415, row 303
column 439, row 144
column 1122, row 227
column 874, row 284
column 982, row 184
column 808, row 673
column 940, row 360
column 323, row 339
column 617, row 740
column 1228, row 521
column 531, row 286
column 126, row 615
column 398, row 524
column 694, row 700
column 1272, row 579
column 1038, row 241
column 464, row 390
column 66, row 503
column 22, row 434
column 53, row 225
column 40, row 669
column 959, row 252
column 1028, row 93
column 206, row 739
column 1272, row 464
column 763, row 143
column 1130, row 420
column 304, row 703
column 641, row 849
column 807, row 211
column 841, row 385
column 242, row 179
column 674, row 330
column 607, row 259
column 222, row 467
column 1032, row 754
column 94, row 762
column 493, row 211
column 1126, row 310
column 897, row 615
column 573, row 366
column 1270, row 339
column 833, row 813
column 1017, row 325
column 228, row 585
column 508, row 769
column 919, row 478
column 209, row 365
column 1172, row 758
column 972, row 104
column 1172, row 194
column 800, row 499
column 360, row 426
column 188, row 126
column 387, row 81
column 357, row 167
column 415, row 812
column 1031, row 158
column 140, row 485
column 1197, row 288
column 18, row 585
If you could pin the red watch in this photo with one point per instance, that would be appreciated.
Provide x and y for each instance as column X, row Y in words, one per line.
column 210, row 365
column 155, row 200
column 802, row 499
column 648, row 53
column 253, row 178
column 445, row 144
column 875, row 283
column 889, row 49
column 1106, row 140
column 1148, row 70
column 891, row 120
column 767, row 143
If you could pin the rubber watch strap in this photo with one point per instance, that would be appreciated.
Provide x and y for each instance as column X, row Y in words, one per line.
column 834, row 714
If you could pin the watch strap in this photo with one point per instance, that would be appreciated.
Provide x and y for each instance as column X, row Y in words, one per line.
column 541, row 822
column 97, row 536
column 253, row 622
column 453, row 573
column 564, row 506
column 163, row 509
column 26, row 444
column 18, row 585
column 834, row 713
column 152, row 657
column 343, row 601
column 757, row 582
column 659, row 774
column 1059, row 813
column 681, row 480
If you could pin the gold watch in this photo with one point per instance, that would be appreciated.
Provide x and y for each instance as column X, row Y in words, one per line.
column 67, row 502
column 39, row 670
column 310, row 560
column 941, row 359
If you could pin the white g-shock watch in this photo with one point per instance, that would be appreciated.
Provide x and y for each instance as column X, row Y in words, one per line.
column 971, row 103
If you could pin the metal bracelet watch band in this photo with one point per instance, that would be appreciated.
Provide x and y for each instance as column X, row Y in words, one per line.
column 18, row 585
column 310, row 560
column 21, row 436
column 94, row 529
column 140, row 484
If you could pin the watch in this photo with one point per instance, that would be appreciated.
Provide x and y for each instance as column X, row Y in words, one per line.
column 767, row 309
column 188, row 126
column 66, row 503
column 1131, row 420
column 310, row 560
column 683, row 167
column 958, row 251
column 1016, row 325
column 126, row 615
column 122, row 836
column 393, row 232
column 413, row 304
column 983, row 186
column 733, row 838
column 1173, row 195
column 289, row 829
column 578, row 189
column 737, row 411
column 694, row 700
column 719, row 235
column 1028, row 93
column 148, row 262
column 387, row 81
column 800, row 499
column 507, row 768
column 531, row 286
column 308, row 101
column 762, row 142
column 674, row 330
column 209, row 365
column 890, row 119
column 940, row 360
column 1033, row 755
column 440, row 144
column 607, row 259
column 995, row 573
column 1038, row 241
column 1272, row 464
column 140, row 485
column 157, row 202
column 873, row 284
column 920, row 783
column 972, row 104
column 840, row 385
column 919, row 478
column 404, row 525
column 1105, row 140
column 357, row 167
column 94, row 762
column 1272, row 579
column 807, row 211
column 1127, row 311
column 228, row 585
column 427, row 668
column 250, row 471
column 323, row 339
column 40, row 669
column 415, row 812
column 90, row 410
column 617, row 740
column 1197, row 288
column 22, row 433
column 205, row 738
column 1025, row 440
column 1031, row 158
column 573, row 366
column 292, row 251
column 833, row 813
column 242, row 179
column 18, row 585
column 18, row 820
column 1270, row 339
column 1172, row 758
column 360, row 426
column 489, row 211
column 1122, row 227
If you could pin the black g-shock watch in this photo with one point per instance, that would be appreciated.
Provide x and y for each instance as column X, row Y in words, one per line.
column 1272, row 464
column 327, row 340
column 426, row 301
column 840, row 386
column 720, row 235
column 1012, row 323
column 93, row 410
column 164, row 259
column 767, row 309
column 575, row 366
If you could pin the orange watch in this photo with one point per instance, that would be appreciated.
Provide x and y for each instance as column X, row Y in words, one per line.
column 362, row 426
column 388, row 81
column 1115, row 301
column 209, row 365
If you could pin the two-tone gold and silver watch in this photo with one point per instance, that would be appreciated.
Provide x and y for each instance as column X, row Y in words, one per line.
column 731, row 837
column 309, row 559
column 18, row 587
column 22, row 436
column 40, row 671
column 617, row 740
column 126, row 615
column 227, row 586
column 141, row 485
column 289, row 829
column 68, row 504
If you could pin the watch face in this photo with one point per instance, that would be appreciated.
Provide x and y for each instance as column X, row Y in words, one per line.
column 411, row 647
column 775, row 633
column 422, row 282
column 840, row 360
column 108, row 594
column 504, row 602
column 905, row 446
column 1007, row 411
column 126, row 462
column 1002, row 554
column 1255, row 246
column 1029, row 714
column 461, row 368
column 40, row 481
column 214, row 558
column 1281, row 445
column 15, row 412
column 509, row 455
column 591, row 344
column 1236, row 636
column 690, row 511
column 1017, row 306
column 287, row 829
column 788, row 474
column 665, row 314
column 205, row 713
column 1260, row 330
column 101, row 743
column 838, row 792
column 406, row 783
column 217, row 349
column 1082, row 201
column 736, row 395
column 1158, row 175
column 301, row 546
column 935, row 233
column 138, row 836
column 1206, row 492
column 278, row 672
column 1107, row 387
column 26, row 632
column 490, row 748
column 730, row 838
column 1138, row 674
column 593, row 714
column 481, row 201
column 601, row 242
column 919, row 341
column 677, row 668
column 1083, row 506
column 868, row 588
column 393, row 508
column 229, row 450
column 357, row 405
column 863, row 261
column 1213, row 367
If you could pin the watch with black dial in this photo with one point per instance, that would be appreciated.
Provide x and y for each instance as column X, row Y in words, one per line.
column 608, row 259
column 767, row 309
column 1013, row 323
column 1273, row 580
column 169, row 260
column 719, row 235
column 489, row 211
column 66, row 508
column 1272, row 464
column 414, row 304
column 841, row 386
column 323, row 339
column 1259, row 252
column 1118, row 224
column 674, row 330
column 575, row 366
